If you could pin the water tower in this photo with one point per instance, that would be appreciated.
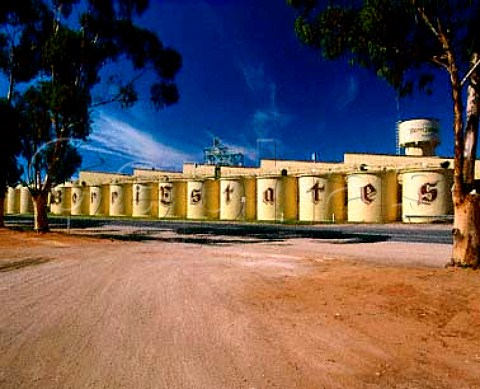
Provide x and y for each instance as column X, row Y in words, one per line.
column 419, row 137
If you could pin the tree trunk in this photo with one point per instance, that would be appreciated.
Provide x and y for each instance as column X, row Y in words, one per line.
column 40, row 217
column 466, row 229
column 2, row 209
column 466, row 232
column 471, row 130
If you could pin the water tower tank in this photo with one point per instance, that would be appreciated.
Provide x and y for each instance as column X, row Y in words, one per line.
column 419, row 137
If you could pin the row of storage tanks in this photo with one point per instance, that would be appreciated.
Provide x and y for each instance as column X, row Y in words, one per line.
column 370, row 197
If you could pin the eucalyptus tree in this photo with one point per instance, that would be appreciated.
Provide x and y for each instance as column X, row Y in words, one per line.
column 20, row 23
column 73, row 47
column 10, row 147
column 406, row 42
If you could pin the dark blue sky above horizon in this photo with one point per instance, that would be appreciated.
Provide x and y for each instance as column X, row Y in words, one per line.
column 248, row 80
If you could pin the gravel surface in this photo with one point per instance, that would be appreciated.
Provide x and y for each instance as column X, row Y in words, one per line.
column 80, row 312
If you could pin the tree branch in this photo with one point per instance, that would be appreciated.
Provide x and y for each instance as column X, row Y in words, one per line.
column 426, row 19
column 452, row 68
column 119, row 95
column 470, row 72
column 440, row 63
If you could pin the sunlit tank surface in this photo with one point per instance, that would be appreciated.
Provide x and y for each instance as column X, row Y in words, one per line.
column 232, row 199
column 143, row 201
column 212, row 198
column 321, row 198
column 426, row 195
column 196, row 199
column 79, row 200
column 171, row 199
column 372, row 197
column 270, row 199
column 95, row 201
column 26, row 203
column 13, row 202
column 277, row 198
column 117, row 197
column 60, row 200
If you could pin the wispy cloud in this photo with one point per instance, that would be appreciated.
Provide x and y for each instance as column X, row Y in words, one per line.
column 347, row 94
column 255, row 78
column 268, row 118
column 113, row 137
column 249, row 152
column 268, row 121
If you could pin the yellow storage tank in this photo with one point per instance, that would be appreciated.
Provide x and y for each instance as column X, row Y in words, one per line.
column 166, row 199
column 250, row 184
column 78, row 200
column 95, row 201
column 60, row 200
column 117, row 199
column 13, row 201
column 290, row 198
column 212, row 198
column 372, row 197
column 142, row 200
column 106, row 199
column 232, row 199
column 337, row 197
column 321, row 198
column 269, row 199
column 426, row 195
column 276, row 198
column 26, row 203
column 128, row 198
column 172, row 199
column 196, row 199
column 18, row 196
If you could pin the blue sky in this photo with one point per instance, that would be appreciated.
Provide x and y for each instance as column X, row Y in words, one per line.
column 248, row 80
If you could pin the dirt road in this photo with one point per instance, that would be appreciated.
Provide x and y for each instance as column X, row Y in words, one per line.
column 86, row 313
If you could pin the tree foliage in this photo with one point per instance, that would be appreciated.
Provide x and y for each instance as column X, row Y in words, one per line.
column 391, row 37
column 10, row 146
column 55, row 53
column 405, row 42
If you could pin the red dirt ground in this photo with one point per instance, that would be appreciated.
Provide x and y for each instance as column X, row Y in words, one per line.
column 88, row 313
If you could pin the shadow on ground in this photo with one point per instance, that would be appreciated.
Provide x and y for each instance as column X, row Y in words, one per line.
column 205, row 233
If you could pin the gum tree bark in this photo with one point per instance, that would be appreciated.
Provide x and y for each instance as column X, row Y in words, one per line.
column 40, row 215
column 466, row 230
column 2, row 208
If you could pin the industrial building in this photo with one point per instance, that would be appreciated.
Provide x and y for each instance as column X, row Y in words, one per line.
column 364, row 188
